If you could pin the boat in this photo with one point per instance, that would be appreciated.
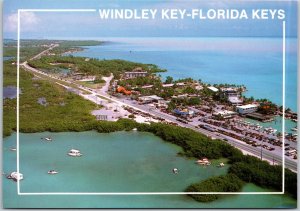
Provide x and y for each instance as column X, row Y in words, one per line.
column 13, row 149
column 48, row 139
column 74, row 153
column 221, row 165
column 175, row 170
column 294, row 129
column 52, row 172
column 15, row 176
column 270, row 130
column 134, row 129
column 203, row 161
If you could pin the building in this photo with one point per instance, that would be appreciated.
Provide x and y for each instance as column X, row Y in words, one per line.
column 246, row 109
column 167, row 85
column 137, row 72
column 147, row 86
column 232, row 95
column 225, row 114
column 183, row 112
column 129, row 75
column 149, row 99
column 230, row 92
column 212, row 88
column 121, row 89
column 260, row 117
column 163, row 103
column 180, row 84
column 235, row 101
column 102, row 114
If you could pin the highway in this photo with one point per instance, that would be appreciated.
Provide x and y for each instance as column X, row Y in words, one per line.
column 256, row 151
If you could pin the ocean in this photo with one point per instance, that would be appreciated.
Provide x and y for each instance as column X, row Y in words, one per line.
column 114, row 162
column 253, row 62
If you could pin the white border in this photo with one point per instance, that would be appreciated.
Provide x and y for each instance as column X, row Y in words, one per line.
column 143, row 193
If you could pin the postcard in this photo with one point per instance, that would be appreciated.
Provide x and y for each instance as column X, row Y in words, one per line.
column 150, row 104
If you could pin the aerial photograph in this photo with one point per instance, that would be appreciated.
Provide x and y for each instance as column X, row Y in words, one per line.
column 150, row 104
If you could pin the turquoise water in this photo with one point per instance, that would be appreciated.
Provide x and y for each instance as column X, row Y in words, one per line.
column 254, row 62
column 115, row 162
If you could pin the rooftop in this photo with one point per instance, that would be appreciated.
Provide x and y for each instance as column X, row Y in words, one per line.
column 212, row 88
column 248, row 106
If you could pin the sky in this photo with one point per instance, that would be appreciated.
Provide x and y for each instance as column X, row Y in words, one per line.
column 80, row 25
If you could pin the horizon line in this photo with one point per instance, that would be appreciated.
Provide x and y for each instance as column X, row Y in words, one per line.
column 92, row 38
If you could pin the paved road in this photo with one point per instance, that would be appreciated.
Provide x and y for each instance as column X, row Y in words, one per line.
column 291, row 164
column 45, row 51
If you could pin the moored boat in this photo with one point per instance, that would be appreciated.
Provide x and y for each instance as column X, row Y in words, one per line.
column 221, row 165
column 52, row 172
column 74, row 153
column 175, row 170
column 15, row 176
column 203, row 161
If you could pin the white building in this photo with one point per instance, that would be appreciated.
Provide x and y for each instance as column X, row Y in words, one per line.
column 149, row 99
column 236, row 101
column 135, row 74
column 246, row 109
column 225, row 114
column 212, row 88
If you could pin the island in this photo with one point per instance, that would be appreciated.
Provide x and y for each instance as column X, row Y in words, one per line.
column 59, row 92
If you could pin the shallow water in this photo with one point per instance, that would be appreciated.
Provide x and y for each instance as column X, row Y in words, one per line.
column 114, row 162
column 10, row 92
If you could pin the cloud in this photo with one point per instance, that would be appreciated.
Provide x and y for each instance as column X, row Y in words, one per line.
column 28, row 21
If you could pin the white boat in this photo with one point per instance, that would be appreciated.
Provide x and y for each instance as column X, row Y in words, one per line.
column 221, row 165
column 74, row 153
column 13, row 149
column 203, row 161
column 134, row 129
column 48, row 139
column 15, row 176
column 52, row 172
column 270, row 130
column 175, row 170
column 294, row 129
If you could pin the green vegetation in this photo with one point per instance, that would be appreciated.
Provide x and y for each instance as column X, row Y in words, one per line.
column 92, row 66
column 227, row 183
column 194, row 144
column 30, row 48
column 186, row 101
column 266, row 107
column 25, row 52
column 254, row 170
column 73, row 45
column 68, row 112
column 63, row 111
column 140, row 81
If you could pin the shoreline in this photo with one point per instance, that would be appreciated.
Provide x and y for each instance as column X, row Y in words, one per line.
column 170, row 134
column 173, row 72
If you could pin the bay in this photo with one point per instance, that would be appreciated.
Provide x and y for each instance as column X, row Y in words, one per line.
column 114, row 162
